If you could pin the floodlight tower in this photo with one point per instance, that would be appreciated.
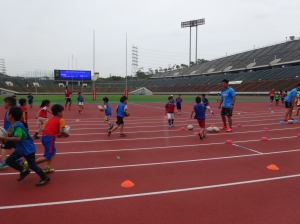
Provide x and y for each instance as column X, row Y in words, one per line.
column 191, row 24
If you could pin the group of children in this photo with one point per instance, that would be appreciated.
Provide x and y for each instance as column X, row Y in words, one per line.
column 21, row 143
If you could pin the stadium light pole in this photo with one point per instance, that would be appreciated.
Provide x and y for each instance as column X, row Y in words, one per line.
column 191, row 24
column 93, row 58
column 126, row 64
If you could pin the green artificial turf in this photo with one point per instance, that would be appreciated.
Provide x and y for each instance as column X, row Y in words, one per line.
column 132, row 98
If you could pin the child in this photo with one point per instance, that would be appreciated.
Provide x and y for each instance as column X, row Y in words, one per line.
column 54, row 127
column 199, row 111
column 9, row 102
column 80, row 102
column 206, row 104
column 24, row 118
column 178, row 104
column 170, row 107
column 107, row 113
column 30, row 100
column 277, row 97
column 24, row 147
column 42, row 117
column 218, row 97
column 121, row 111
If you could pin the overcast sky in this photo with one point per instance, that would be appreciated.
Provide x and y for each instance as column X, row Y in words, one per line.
column 43, row 35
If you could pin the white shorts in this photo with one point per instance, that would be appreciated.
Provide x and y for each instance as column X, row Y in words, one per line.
column 41, row 120
column 80, row 103
column 170, row 115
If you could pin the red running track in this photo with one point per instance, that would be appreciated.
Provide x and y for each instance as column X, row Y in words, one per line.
column 178, row 178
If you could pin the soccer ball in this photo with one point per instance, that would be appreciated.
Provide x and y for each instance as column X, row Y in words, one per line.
column 290, row 121
column 216, row 129
column 190, row 127
column 210, row 129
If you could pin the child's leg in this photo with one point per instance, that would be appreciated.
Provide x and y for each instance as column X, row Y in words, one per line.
column 11, row 161
column 48, row 164
column 114, row 128
column 3, row 153
column 298, row 110
column 33, row 166
column 121, row 128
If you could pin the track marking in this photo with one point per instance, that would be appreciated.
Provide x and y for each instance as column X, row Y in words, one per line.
column 150, row 193
column 164, row 163
column 247, row 148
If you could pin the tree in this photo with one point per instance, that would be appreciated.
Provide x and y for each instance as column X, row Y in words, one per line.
column 156, row 71
column 169, row 68
column 165, row 69
column 192, row 63
column 184, row 66
column 201, row 60
column 160, row 69
column 140, row 74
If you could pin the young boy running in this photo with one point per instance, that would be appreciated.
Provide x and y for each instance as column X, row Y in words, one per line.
column 170, row 108
column 178, row 104
column 107, row 113
column 290, row 102
column 121, row 112
column 24, row 118
column 24, row 148
column 30, row 100
column 54, row 127
column 206, row 104
column 9, row 102
column 199, row 111
column 80, row 102
column 277, row 97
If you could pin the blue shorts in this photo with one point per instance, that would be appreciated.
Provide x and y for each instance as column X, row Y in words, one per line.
column 49, row 146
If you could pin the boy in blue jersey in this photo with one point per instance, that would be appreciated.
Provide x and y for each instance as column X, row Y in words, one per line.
column 24, row 147
column 227, row 103
column 290, row 102
column 107, row 113
column 199, row 110
column 30, row 100
column 121, row 112
column 80, row 102
column 9, row 102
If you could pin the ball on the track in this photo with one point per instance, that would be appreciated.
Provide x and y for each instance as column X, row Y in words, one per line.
column 190, row 127
column 127, row 114
column 290, row 121
column 216, row 129
column 210, row 129
column 3, row 132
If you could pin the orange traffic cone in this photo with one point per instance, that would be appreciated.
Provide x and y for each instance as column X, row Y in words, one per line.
column 272, row 167
column 127, row 184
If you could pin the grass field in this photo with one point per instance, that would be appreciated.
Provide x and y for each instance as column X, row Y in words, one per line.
column 132, row 98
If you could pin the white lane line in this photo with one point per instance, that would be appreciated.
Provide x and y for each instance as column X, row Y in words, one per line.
column 247, row 148
column 150, row 193
column 152, row 138
column 163, row 163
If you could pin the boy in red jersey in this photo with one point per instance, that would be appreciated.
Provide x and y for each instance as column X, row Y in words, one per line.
column 54, row 127
column 24, row 117
column 170, row 108
column 68, row 98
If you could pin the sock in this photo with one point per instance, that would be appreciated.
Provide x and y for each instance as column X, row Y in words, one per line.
column 169, row 121
column 172, row 121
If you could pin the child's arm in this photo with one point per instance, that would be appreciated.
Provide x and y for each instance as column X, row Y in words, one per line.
column 24, row 117
column 192, row 114
column 10, row 139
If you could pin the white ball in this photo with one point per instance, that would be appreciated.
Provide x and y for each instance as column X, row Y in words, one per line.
column 216, row 129
column 210, row 129
column 100, row 107
column 3, row 132
column 190, row 127
column 67, row 129
column 290, row 121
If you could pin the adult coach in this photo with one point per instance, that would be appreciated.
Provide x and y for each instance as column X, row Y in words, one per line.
column 272, row 94
column 290, row 102
column 68, row 98
column 227, row 103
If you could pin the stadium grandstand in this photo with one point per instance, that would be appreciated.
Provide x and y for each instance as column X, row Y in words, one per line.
column 273, row 67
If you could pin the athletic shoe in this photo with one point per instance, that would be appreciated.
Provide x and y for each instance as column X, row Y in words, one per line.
column 43, row 182
column 108, row 132
column 200, row 136
column 223, row 127
column 229, row 130
column 66, row 109
column 122, row 135
column 23, row 175
column 35, row 137
column 48, row 170
column 3, row 165
column 170, row 126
